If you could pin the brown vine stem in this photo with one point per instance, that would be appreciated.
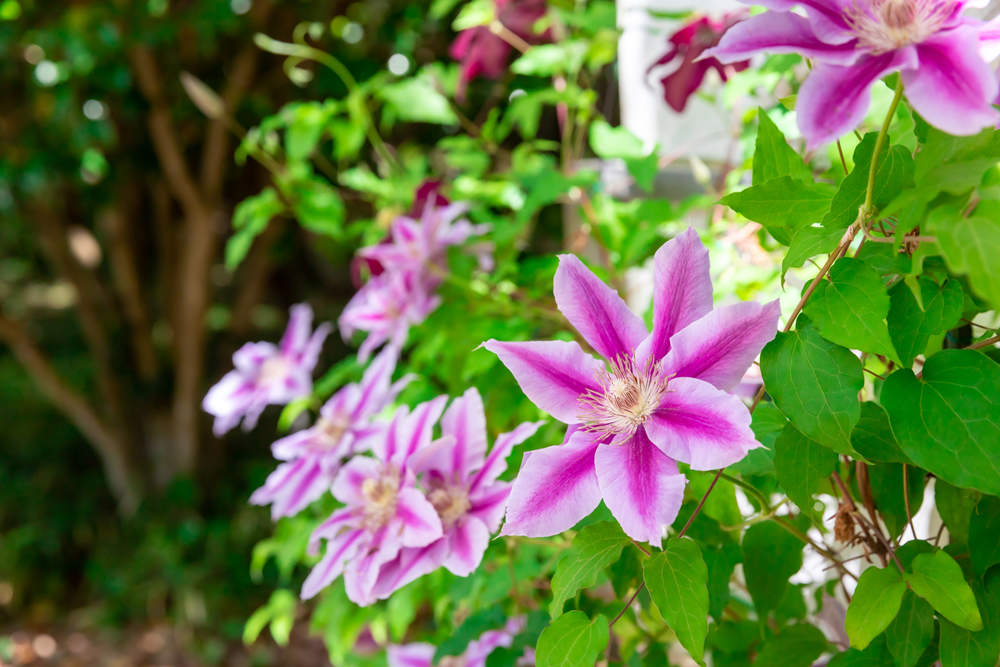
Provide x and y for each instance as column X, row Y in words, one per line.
column 906, row 501
column 984, row 343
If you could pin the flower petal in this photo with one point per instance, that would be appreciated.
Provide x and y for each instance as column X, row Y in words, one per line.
column 487, row 503
column 466, row 423
column 496, row 462
column 701, row 426
column 552, row 374
column 409, row 431
column 375, row 384
column 641, row 486
column 826, row 16
column 467, row 542
column 780, row 32
column 409, row 565
column 596, row 310
column 292, row 486
column 296, row 335
column 347, row 484
column 421, row 524
column 410, row 655
column 682, row 291
column 555, row 488
column 953, row 88
column 833, row 99
column 339, row 551
column 720, row 347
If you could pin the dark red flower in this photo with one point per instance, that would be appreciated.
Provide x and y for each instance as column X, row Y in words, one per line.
column 484, row 53
column 687, row 44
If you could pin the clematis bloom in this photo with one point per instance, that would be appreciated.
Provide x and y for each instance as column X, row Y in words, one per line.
column 853, row 43
column 687, row 44
column 313, row 456
column 267, row 374
column 661, row 396
column 460, row 481
column 383, row 510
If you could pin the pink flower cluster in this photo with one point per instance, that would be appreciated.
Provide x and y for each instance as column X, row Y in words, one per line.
column 475, row 654
column 406, row 269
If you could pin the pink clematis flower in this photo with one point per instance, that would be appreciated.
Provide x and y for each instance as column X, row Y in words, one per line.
column 475, row 655
column 660, row 398
column 460, row 481
column 406, row 269
column 383, row 512
column 266, row 374
column 688, row 44
column 482, row 52
column 934, row 47
column 313, row 456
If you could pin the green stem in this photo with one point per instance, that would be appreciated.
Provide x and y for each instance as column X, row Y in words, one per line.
column 866, row 209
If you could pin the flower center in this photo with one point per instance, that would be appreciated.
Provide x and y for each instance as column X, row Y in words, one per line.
column 628, row 395
column 451, row 502
column 886, row 25
column 272, row 370
column 380, row 495
column 332, row 430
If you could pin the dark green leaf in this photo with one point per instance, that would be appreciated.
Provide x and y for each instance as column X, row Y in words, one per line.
column 895, row 172
column 876, row 655
column 796, row 646
column 909, row 635
column 782, row 205
column 874, row 605
column 816, row 384
column 872, row 436
column 937, row 578
column 773, row 157
column 801, row 465
column 677, row 579
column 809, row 242
column 721, row 560
column 969, row 246
column 962, row 648
column 955, row 506
column 948, row 422
column 770, row 556
column 850, row 309
column 594, row 548
column 886, row 481
column 911, row 326
column 984, row 534
column 572, row 640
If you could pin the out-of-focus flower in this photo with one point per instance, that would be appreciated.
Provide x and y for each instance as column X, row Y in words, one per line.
column 386, row 307
column 936, row 49
column 313, row 456
column 482, row 52
column 687, row 45
column 662, row 396
column 406, row 268
column 475, row 654
column 460, row 480
column 267, row 374
column 383, row 512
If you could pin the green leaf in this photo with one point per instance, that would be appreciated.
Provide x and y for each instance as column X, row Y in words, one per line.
column 872, row 436
column 594, row 548
column 677, row 579
column 937, row 578
column 971, row 246
column 773, row 157
column 984, row 534
column 473, row 626
column 572, row 640
column 508, row 656
column 721, row 560
column 895, row 172
column 417, row 100
column 801, row 465
column 808, row 242
column 305, row 127
column 911, row 325
column 850, row 308
column 250, row 219
column 768, row 423
column 611, row 142
column 962, row 648
column 318, row 207
column 909, row 635
column 955, row 506
column 770, row 556
column 796, row 646
column 782, row 205
column 874, row 605
column 474, row 14
column 550, row 59
column 886, row 481
column 816, row 384
column 278, row 613
column 948, row 421
column 876, row 655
